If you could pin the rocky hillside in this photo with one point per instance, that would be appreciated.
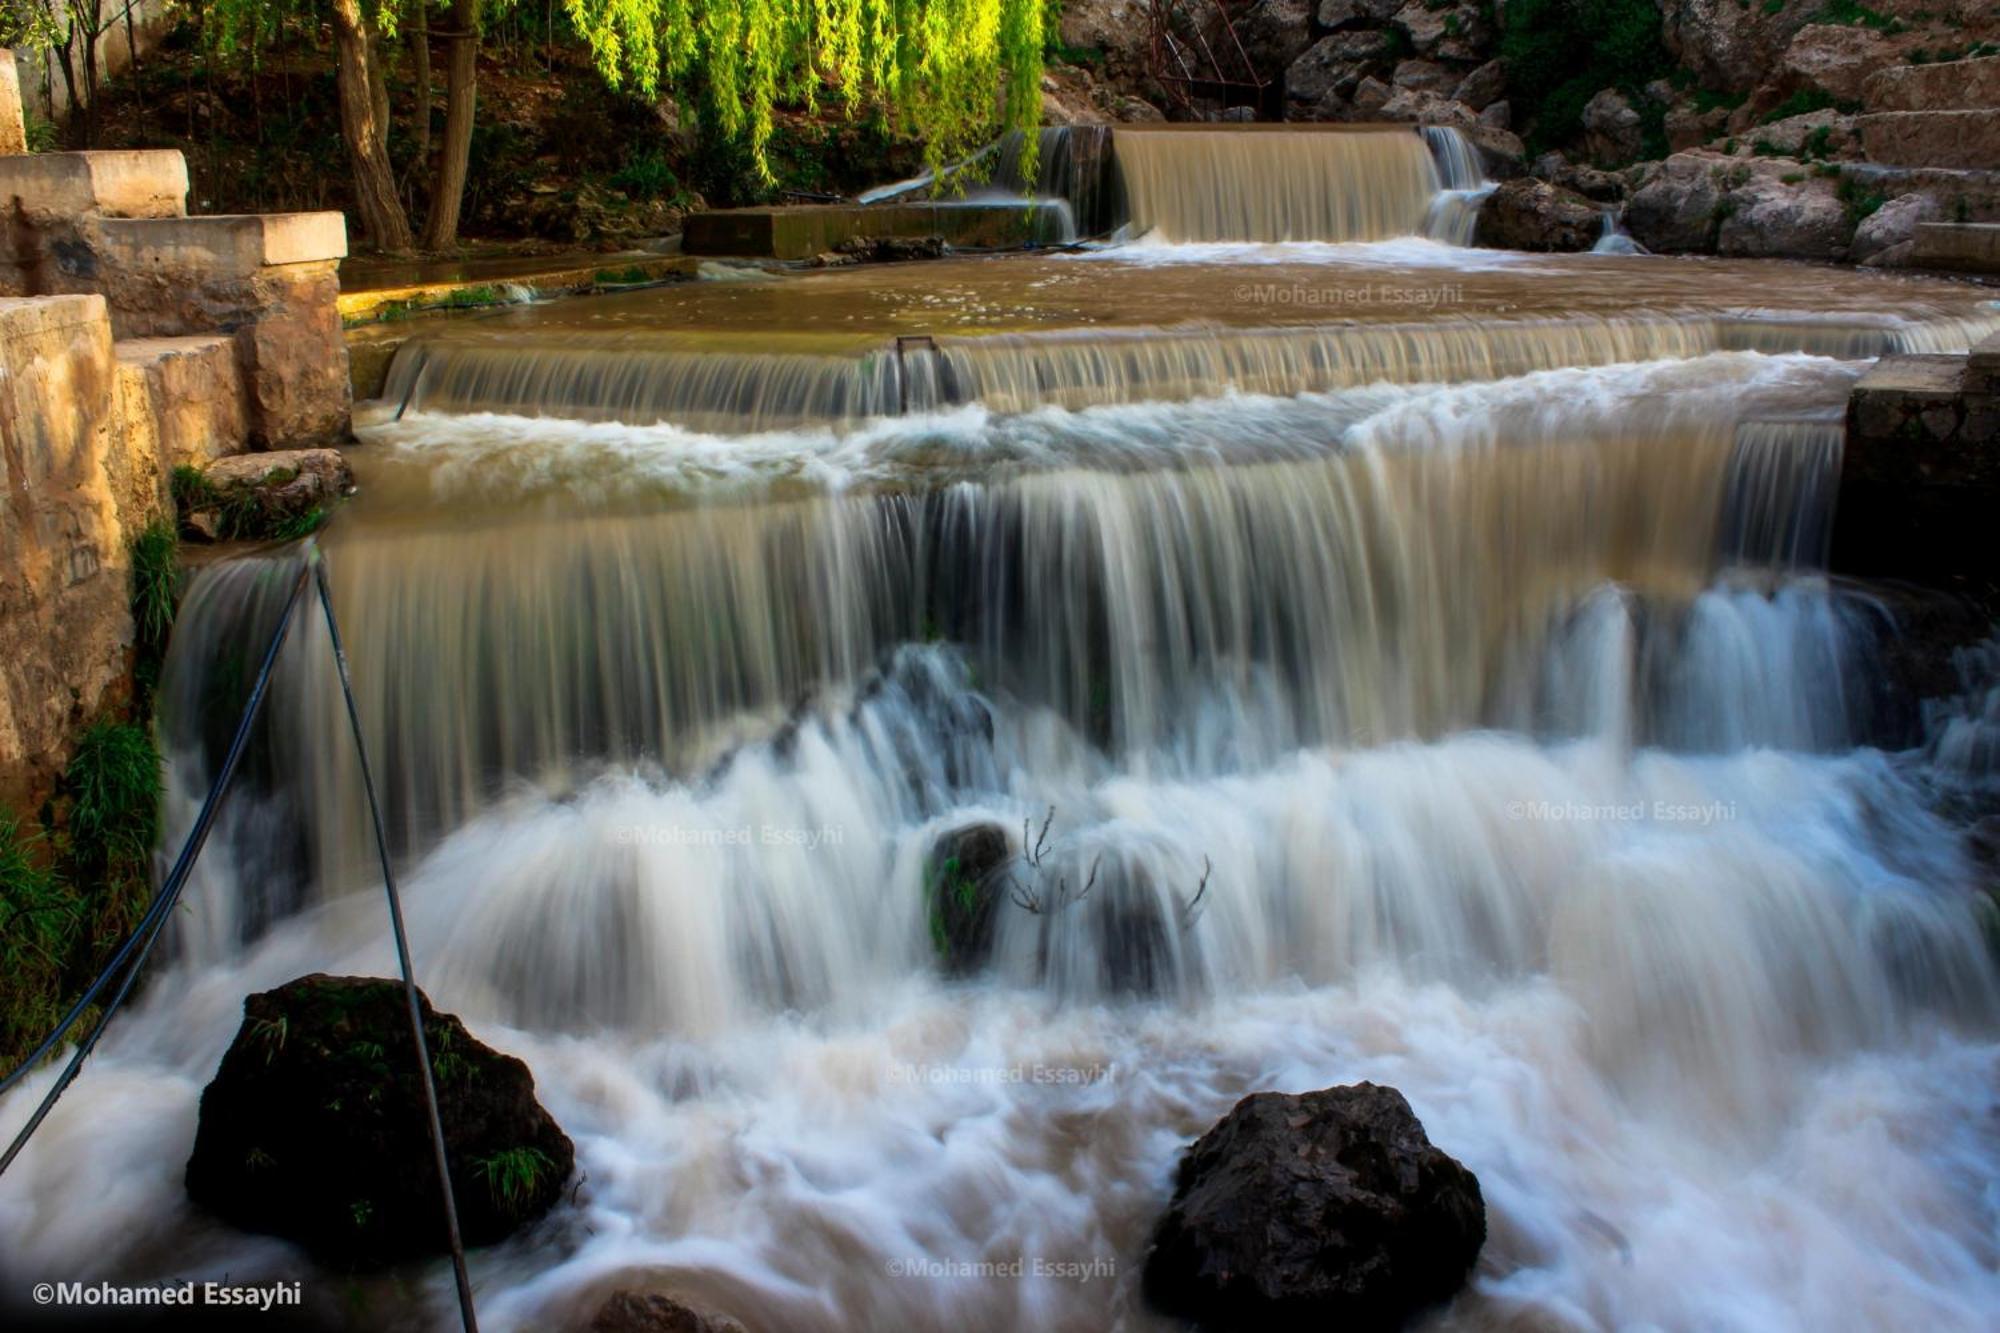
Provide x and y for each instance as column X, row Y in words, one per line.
column 1822, row 129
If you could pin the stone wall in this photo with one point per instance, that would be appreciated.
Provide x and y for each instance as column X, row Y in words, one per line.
column 76, row 484
column 1920, row 478
column 133, row 339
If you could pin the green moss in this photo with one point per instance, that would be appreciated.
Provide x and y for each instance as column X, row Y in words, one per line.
column 1852, row 13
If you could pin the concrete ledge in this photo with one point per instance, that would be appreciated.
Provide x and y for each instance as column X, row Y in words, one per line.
column 1956, row 84
column 139, row 183
column 804, row 230
column 230, row 243
column 1968, row 139
column 1959, row 247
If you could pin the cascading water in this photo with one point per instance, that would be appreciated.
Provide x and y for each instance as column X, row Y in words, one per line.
column 1451, row 698
column 1364, row 184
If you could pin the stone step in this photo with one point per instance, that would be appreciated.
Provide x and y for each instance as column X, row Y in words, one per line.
column 192, row 394
column 220, row 243
column 1953, row 86
column 1957, row 247
column 1969, row 139
column 140, row 183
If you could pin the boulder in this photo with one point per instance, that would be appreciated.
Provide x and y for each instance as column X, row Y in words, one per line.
column 1793, row 215
column 1337, row 14
column 1892, row 225
column 1330, row 1209
column 1320, row 82
column 964, row 885
column 1726, row 44
column 656, row 1312
column 1424, row 26
column 1834, row 59
column 1120, row 29
column 1674, row 211
column 1527, row 214
column 1612, row 132
column 1274, row 33
column 1502, row 151
column 1371, row 95
column 1795, row 135
column 1498, row 115
column 276, row 495
column 313, row 1128
column 1483, row 87
column 1690, row 127
column 1424, row 76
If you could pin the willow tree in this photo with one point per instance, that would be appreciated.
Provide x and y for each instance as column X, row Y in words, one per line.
column 949, row 72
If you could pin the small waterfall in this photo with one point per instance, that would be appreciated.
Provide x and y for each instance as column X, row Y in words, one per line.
column 1613, row 240
column 1462, row 186
column 1783, row 481
column 1324, row 184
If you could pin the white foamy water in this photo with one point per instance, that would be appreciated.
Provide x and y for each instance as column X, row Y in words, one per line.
column 1493, row 740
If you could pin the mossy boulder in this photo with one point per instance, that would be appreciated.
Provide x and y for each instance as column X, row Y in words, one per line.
column 313, row 1128
column 964, row 876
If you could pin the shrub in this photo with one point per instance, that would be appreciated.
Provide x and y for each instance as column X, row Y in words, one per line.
column 1560, row 53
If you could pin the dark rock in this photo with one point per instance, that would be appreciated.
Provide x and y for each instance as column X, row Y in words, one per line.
column 1483, row 87
column 1326, row 1210
column 1612, row 130
column 313, row 1128
column 654, row 1312
column 1675, row 211
column 1274, row 33
column 1527, row 214
column 964, row 881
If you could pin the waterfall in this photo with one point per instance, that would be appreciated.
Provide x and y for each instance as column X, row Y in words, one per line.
column 1613, row 239
column 642, row 377
column 1331, row 184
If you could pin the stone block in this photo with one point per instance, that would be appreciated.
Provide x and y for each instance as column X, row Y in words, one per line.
column 1982, row 368
column 1957, row 247
column 191, row 392
column 44, row 188
column 231, row 244
column 1953, row 85
column 1967, row 139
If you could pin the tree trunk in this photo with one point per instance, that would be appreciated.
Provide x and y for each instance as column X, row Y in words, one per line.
column 420, row 67
column 378, row 86
column 461, row 98
column 374, row 185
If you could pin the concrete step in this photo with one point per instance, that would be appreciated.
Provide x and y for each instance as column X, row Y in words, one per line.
column 1968, row 139
column 140, row 183
column 1956, row 85
column 1957, row 247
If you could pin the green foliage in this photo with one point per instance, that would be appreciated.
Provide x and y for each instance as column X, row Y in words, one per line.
column 1804, row 102
column 39, row 922
column 646, row 175
column 1860, row 200
column 1852, row 13
column 931, row 66
column 1561, row 53
column 114, row 778
column 512, row 1175
column 156, row 586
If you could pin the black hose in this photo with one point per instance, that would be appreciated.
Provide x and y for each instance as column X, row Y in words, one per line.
column 429, row 1086
column 148, row 930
